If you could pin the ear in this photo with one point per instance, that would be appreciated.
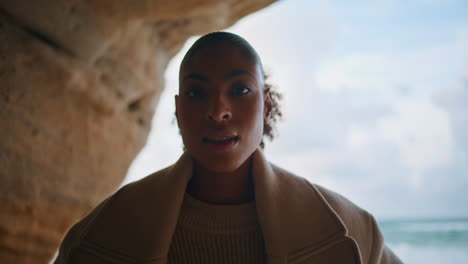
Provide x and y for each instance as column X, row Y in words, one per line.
column 268, row 106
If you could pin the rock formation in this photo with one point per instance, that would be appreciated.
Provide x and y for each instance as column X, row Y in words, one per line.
column 79, row 81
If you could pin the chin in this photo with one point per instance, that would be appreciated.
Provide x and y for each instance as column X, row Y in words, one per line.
column 221, row 165
column 221, row 162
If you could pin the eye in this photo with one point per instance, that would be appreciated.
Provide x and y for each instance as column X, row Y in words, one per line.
column 241, row 90
column 194, row 92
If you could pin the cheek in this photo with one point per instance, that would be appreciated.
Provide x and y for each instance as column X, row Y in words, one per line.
column 189, row 122
column 252, row 117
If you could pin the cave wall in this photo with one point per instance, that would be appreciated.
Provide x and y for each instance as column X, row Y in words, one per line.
column 79, row 82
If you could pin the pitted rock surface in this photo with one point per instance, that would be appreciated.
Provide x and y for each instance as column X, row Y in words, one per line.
column 79, row 82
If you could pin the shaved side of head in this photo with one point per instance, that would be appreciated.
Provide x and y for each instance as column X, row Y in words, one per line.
column 220, row 37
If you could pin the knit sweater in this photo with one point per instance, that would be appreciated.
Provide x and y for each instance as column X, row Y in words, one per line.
column 208, row 233
column 300, row 222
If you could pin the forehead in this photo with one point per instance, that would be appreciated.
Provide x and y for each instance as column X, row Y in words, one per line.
column 219, row 58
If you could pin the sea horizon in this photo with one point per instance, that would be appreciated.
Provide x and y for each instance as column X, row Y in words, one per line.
column 427, row 240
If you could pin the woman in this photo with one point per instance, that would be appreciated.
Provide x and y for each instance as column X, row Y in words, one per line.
column 222, row 201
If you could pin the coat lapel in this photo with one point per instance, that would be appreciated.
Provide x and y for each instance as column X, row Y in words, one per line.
column 297, row 223
column 140, row 218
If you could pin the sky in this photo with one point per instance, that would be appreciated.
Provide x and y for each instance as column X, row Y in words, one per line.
column 375, row 101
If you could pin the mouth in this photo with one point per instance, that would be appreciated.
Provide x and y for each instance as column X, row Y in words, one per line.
column 220, row 139
column 221, row 143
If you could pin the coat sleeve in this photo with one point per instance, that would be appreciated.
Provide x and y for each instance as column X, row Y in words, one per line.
column 380, row 253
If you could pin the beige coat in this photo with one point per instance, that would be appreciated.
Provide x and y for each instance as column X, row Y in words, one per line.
column 301, row 222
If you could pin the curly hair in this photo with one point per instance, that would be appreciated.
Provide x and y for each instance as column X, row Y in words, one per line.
column 269, row 127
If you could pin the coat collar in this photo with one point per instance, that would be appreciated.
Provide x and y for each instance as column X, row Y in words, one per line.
column 296, row 221
column 295, row 218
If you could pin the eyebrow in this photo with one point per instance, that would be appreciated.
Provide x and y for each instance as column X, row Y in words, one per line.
column 228, row 76
column 196, row 76
column 236, row 73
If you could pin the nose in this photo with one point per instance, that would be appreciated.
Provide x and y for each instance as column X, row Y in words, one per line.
column 219, row 110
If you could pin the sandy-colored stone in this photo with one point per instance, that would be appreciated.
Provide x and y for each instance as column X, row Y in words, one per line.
column 79, row 81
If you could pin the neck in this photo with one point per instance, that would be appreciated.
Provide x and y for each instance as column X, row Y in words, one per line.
column 234, row 187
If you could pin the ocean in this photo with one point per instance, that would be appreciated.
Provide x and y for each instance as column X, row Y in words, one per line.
column 428, row 241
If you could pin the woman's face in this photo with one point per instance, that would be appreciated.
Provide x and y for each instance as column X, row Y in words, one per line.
column 221, row 107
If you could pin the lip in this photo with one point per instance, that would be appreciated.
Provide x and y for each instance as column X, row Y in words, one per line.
column 219, row 137
column 221, row 142
column 218, row 134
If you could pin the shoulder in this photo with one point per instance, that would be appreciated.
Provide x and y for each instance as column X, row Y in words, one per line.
column 361, row 226
column 340, row 205
column 145, row 184
column 127, row 199
column 351, row 214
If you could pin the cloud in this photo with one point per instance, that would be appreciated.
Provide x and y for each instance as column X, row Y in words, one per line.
column 383, row 125
column 360, row 144
column 311, row 26
column 454, row 101
column 422, row 133
column 313, row 165
column 370, row 72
